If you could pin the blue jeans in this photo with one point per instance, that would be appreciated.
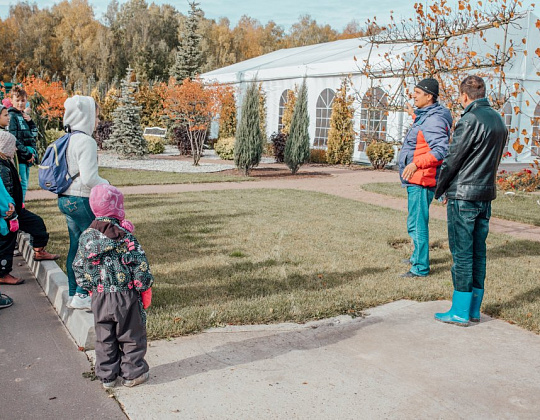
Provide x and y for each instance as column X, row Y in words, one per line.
column 419, row 199
column 79, row 215
column 468, row 228
column 24, row 173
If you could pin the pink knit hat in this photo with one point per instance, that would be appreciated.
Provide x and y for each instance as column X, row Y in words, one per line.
column 107, row 201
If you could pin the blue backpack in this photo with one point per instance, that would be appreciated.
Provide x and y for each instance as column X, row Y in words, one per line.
column 53, row 172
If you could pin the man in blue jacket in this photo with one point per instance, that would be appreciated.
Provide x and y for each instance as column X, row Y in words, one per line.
column 467, row 180
column 421, row 155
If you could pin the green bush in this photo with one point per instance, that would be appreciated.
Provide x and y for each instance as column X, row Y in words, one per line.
column 156, row 145
column 225, row 148
column 53, row 134
column 380, row 154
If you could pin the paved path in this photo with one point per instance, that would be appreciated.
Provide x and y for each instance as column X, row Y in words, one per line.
column 40, row 366
column 397, row 363
column 341, row 182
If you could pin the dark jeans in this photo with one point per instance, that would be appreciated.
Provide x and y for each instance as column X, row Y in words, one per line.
column 468, row 227
column 30, row 223
column 79, row 216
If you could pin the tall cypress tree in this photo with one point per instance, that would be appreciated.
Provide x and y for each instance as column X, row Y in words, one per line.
column 127, row 136
column 189, row 56
column 341, row 134
column 248, row 146
column 297, row 146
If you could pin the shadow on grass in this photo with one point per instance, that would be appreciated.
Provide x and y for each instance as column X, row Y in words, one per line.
column 194, row 289
column 530, row 296
column 259, row 348
column 514, row 249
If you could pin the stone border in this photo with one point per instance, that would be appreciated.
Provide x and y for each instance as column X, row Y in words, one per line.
column 54, row 282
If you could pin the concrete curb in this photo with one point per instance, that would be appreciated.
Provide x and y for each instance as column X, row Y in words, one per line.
column 54, row 283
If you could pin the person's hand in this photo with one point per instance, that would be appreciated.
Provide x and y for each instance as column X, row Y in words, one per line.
column 31, row 160
column 26, row 116
column 409, row 109
column 409, row 171
column 9, row 213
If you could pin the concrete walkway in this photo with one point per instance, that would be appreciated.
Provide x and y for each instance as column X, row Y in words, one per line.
column 40, row 366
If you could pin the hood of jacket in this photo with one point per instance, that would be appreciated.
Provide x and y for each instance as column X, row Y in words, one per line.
column 435, row 109
column 80, row 113
column 109, row 236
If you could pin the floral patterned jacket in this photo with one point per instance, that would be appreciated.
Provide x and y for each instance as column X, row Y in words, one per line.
column 110, row 259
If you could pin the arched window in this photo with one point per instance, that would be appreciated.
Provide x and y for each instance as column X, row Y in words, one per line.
column 282, row 103
column 535, row 141
column 507, row 118
column 373, row 117
column 323, row 115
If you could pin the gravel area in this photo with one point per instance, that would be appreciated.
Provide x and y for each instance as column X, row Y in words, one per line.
column 108, row 160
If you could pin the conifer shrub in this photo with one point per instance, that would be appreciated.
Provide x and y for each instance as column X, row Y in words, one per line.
column 380, row 154
column 225, row 148
column 248, row 146
column 297, row 147
column 341, row 133
column 156, row 144
column 278, row 141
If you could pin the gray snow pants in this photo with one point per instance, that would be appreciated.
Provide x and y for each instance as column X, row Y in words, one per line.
column 120, row 335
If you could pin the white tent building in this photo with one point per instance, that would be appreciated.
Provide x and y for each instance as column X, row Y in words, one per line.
column 325, row 65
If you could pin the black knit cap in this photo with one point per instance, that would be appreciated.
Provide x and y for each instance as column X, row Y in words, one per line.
column 430, row 86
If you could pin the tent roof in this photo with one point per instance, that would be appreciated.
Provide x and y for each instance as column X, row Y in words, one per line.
column 336, row 58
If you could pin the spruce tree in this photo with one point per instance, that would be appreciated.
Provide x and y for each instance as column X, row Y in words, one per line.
column 127, row 137
column 248, row 146
column 341, row 133
column 297, row 146
column 188, row 59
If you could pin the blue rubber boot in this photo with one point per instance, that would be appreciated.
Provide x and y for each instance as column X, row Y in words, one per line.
column 459, row 313
column 476, row 302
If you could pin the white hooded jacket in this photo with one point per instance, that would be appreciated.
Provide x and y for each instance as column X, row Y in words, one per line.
column 80, row 115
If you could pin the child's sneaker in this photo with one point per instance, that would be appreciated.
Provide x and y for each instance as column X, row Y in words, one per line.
column 80, row 302
column 109, row 384
column 137, row 381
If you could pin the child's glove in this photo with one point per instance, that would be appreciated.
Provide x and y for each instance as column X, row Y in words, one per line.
column 146, row 298
column 14, row 225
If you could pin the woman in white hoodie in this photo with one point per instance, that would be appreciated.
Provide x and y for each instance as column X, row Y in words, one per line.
column 81, row 118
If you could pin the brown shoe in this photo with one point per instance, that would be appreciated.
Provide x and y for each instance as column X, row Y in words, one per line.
column 9, row 279
column 41, row 255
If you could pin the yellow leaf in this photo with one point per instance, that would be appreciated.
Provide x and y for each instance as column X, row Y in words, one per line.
column 517, row 110
column 538, row 23
column 526, row 140
column 524, row 40
column 472, row 53
column 537, row 52
column 518, row 147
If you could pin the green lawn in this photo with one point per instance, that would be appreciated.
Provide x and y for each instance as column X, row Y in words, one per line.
column 126, row 177
column 263, row 256
column 519, row 207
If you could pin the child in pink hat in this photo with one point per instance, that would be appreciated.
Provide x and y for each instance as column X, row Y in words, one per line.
column 112, row 266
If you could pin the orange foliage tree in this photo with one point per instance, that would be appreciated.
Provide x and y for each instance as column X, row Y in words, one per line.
column 54, row 95
column 193, row 105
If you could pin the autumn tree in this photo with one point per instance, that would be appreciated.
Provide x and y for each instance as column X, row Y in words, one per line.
column 297, row 146
column 192, row 105
column 307, row 32
column 187, row 62
column 150, row 98
column 54, row 96
column 341, row 133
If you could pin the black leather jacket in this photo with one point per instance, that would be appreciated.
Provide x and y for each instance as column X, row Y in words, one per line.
column 10, row 178
column 469, row 170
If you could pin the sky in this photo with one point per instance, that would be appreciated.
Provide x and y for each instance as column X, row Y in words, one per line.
column 337, row 13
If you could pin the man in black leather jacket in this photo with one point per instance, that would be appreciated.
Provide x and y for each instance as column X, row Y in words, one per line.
column 467, row 183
